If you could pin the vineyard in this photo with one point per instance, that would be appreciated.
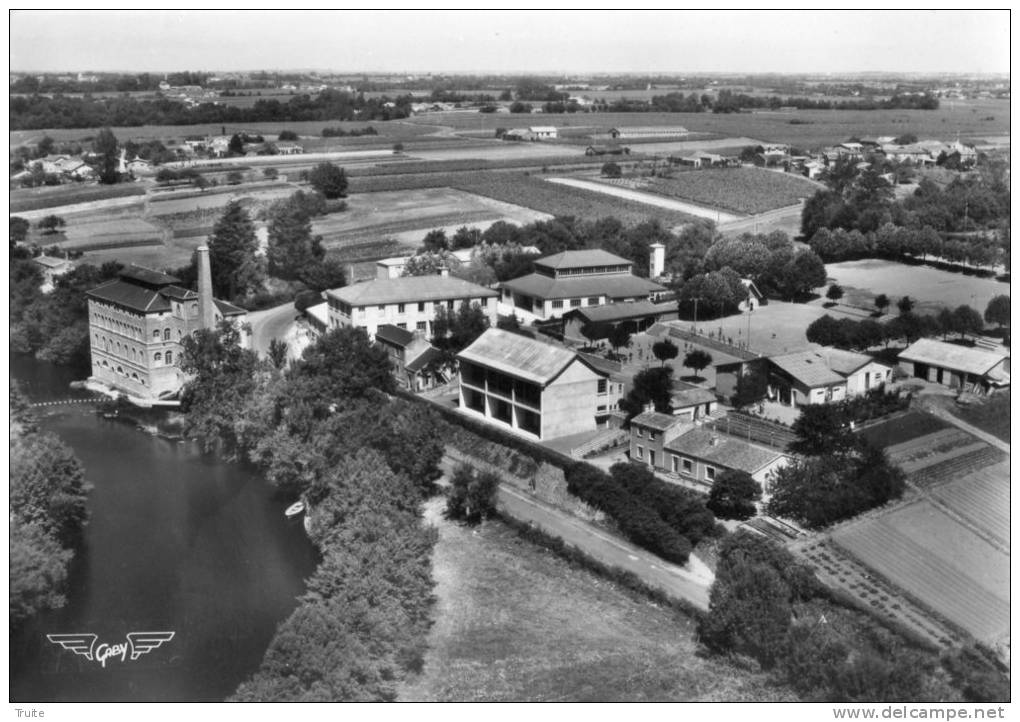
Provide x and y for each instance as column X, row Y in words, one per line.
column 744, row 190
column 936, row 559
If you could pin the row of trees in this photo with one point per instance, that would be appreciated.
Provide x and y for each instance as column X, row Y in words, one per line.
column 48, row 511
column 900, row 243
column 327, row 430
column 666, row 519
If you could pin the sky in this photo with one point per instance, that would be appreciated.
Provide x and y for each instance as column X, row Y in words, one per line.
column 571, row 41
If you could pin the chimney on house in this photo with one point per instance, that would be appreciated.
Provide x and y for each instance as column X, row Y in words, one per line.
column 657, row 260
column 206, row 310
column 649, row 407
column 444, row 271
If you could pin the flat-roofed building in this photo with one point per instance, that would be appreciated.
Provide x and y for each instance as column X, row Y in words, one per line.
column 533, row 388
column 574, row 279
column 408, row 302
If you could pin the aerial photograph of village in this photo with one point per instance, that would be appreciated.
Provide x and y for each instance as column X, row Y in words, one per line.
column 511, row 356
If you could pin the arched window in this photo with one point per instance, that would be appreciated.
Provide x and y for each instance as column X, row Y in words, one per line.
column 157, row 357
column 120, row 370
column 169, row 358
column 166, row 334
column 134, row 376
column 155, row 334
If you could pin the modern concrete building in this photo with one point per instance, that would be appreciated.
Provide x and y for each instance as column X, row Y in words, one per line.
column 534, row 388
column 138, row 321
column 959, row 367
column 574, row 279
column 408, row 302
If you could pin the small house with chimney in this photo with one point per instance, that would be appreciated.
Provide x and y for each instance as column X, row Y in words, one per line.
column 137, row 324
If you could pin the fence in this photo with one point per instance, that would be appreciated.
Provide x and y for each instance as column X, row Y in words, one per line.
column 752, row 429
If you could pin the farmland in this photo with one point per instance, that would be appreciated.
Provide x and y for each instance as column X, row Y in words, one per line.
column 900, row 429
column 31, row 199
column 981, row 498
column 742, row 190
column 516, row 623
column 625, row 190
column 938, row 560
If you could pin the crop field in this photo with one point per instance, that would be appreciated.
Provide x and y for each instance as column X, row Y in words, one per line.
column 938, row 560
column 31, row 199
column 629, row 190
column 931, row 449
column 991, row 414
column 900, row 429
column 744, row 190
column 982, row 498
column 513, row 622
column 110, row 234
column 171, row 254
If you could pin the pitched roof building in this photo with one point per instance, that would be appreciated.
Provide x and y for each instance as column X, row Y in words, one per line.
column 824, row 375
column 960, row 367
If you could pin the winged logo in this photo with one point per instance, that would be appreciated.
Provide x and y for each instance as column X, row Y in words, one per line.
column 82, row 644
column 145, row 642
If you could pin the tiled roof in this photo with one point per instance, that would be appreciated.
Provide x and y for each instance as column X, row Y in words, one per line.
column 394, row 334
column 952, row 356
column 409, row 289
column 684, row 395
column 726, row 451
column 612, row 312
column 179, row 294
column 619, row 286
column 228, row 309
column 582, row 259
column 50, row 261
column 655, row 420
column 423, row 359
column 808, row 367
column 130, row 295
column 526, row 358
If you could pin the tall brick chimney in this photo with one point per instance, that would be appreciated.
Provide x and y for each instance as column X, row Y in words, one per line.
column 206, row 310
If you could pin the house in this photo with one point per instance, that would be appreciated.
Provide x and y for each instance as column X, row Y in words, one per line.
column 606, row 150
column 692, row 402
column 959, row 367
column 700, row 159
column 916, row 154
column 390, row 267
column 813, row 169
column 138, row 166
column 574, row 279
column 518, row 134
column 289, row 149
column 531, row 387
column 317, row 317
column 823, row 375
column 655, row 131
column 417, row 364
column 51, row 268
column 702, row 454
column 637, row 316
column 137, row 323
column 408, row 302
column 650, row 431
column 542, row 132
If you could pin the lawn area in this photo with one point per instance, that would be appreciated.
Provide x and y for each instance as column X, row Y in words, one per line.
column 937, row 559
column 931, row 288
column 514, row 622
column 990, row 414
column 744, row 190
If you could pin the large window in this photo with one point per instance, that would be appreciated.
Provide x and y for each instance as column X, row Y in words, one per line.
column 529, row 421
column 472, row 374
column 602, row 386
column 500, row 384
column 527, row 393
column 475, row 400
column 502, row 410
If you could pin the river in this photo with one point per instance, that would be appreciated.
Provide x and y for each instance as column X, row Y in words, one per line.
column 179, row 541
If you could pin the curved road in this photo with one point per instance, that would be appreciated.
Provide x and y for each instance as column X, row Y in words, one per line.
column 271, row 323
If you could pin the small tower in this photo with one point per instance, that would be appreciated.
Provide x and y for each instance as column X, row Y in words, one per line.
column 657, row 260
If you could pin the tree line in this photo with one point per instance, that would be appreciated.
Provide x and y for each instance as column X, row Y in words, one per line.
column 48, row 512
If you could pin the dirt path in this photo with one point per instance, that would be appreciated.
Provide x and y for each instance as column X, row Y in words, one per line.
column 940, row 412
column 649, row 199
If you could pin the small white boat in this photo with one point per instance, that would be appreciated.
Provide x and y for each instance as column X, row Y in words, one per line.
column 294, row 509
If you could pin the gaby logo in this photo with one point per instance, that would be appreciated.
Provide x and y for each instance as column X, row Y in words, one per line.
column 138, row 643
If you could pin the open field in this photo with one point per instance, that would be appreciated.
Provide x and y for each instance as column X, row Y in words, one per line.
column 982, row 498
column 813, row 128
column 30, row 199
column 741, row 190
column 991, row 414
column 935, row 558
column 931, row 288
column 623, row 190
column 414, row 212
column 516, row 623
column 902, row 429
column 174, row 253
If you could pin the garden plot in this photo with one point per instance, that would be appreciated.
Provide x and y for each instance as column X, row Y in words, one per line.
column 938, row 560
column 740, row 190
column 114, row 233
column 982, row 498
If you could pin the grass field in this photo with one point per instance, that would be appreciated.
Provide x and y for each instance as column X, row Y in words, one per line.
column 931, row 288
column 744, row 190
column 991, row 414
column 516, row 623
column 31, row 199
column 938, row 560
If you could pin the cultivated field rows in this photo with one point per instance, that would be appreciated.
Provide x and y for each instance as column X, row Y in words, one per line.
column 981, row 497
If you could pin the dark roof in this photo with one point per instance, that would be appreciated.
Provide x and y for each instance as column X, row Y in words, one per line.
column 148, row 276
column 618, row 286
column 409, row 289
column 582, row 259
column 424, row 359
column 656, row 420
column 614, row 369
column 130, row 295
column 394, row 334
column 726, row 451
column 227, row 309
column 612, row 312
column 178, row 294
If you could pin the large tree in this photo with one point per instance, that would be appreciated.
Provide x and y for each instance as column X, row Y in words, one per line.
column 698, row 360
column 653, row 385
column 106, row 147
column 454, row 331
column 329, row 180
column 665, row 350
column 997, row 311
column 293, row 250
column 233, row 254
column 733, row 495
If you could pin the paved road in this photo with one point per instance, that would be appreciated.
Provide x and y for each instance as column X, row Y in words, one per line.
column 269, row 324
column 598, row 544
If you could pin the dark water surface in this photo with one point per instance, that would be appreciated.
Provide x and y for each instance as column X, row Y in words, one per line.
column 178, row 541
